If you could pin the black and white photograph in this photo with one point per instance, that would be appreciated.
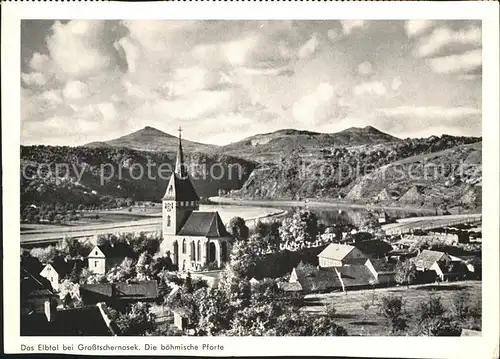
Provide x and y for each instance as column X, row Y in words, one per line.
column 251, row 178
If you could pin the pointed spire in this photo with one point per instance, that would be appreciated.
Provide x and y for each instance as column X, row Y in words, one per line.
column 180, row 167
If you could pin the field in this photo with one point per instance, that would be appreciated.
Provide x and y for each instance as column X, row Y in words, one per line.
column 358, row 321
column 123, row 221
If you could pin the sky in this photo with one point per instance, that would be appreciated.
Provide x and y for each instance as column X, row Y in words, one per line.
column 222, row 81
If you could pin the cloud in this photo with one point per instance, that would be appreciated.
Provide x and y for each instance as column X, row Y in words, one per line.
column 39, row 62
column 429, row 111
column 443, row 37
column 396, row 83
column 418, row 27
column 349, row 25
column 309, row 47
column 316, row 106
column 371, row 87
column 75, row 90
column 77, row 49
column 459, row 63
column 34, row 79
column 333, row 34
column 365, row 68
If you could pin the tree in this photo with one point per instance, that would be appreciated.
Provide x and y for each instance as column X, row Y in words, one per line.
column 238, row 228
column 143, row 267
column 392, row 308
column 300, row 229
column 136, row 321
column 69, row 293
column 433, row 319
column 406, row 272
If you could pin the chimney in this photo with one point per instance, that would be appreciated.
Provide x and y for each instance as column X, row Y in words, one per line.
column 50, row 307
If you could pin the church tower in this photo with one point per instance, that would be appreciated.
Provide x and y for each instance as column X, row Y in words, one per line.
column 180, row 199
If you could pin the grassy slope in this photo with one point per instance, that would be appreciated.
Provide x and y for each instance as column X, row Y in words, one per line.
column 351, row 315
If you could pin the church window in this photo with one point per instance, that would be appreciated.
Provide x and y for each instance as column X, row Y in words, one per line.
column 184, row 246
column 198, row 250
column 170, row 189
column 95, row 263
column 168, row 221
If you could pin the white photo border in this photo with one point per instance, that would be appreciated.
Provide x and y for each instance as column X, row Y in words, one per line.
column 485, row 346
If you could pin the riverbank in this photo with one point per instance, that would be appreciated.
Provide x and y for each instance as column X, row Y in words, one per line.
column 49, row 233
column 313, row 203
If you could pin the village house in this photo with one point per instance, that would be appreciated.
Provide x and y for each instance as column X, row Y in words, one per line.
column 122, row 292
column 383, row 270
column 56, row 270
column 337, row 254
column 35, row 291
column 105, row 256
column 194, row 240
column 433, row 261
column 84, row 321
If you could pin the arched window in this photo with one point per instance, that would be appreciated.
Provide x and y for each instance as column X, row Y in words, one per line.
column 184, row 246
column 168, row 221
column 193, row 251
column 198, row 250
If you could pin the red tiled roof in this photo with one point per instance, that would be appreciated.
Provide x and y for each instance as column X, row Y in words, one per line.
column 336, row 251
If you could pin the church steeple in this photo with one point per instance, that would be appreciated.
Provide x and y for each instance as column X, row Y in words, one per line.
column 180, row 166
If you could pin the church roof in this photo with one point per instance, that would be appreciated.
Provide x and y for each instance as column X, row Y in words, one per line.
column 180, row 189
column 204, row 224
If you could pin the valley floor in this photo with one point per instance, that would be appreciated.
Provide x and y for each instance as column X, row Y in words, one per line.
column 38, row 233
column 358, row 321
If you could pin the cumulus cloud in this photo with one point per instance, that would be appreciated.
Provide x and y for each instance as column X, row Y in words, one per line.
column 396, row 83
column 333, row 34
column 75, row 90
column 365, row 68
column 458, row 63
column 349, row 25
column 443, row 37
column 34, row 79
column 76, row 48
column 371, row 87
column 315, row 106
column 418, row 27
column 309, row 47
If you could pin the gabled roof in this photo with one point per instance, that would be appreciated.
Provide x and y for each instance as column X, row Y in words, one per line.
column 318, row 280
column 336, row 251
column 122, row 290
column 117, row 250
column 138, row 290
column 85, row 321
column 290, row 287
column 61, row 266
column 34, row 285
column 427, row 258
column 180, row 189
column 204, row 224
column 382, row 266
column 355, row 275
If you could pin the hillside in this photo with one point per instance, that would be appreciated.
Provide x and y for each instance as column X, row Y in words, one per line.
column 275, row 145
column 107, row 176
column 354, row 172
column 446, row 178
column 151, row 139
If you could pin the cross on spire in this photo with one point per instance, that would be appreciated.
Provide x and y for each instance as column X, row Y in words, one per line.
column 180, row 131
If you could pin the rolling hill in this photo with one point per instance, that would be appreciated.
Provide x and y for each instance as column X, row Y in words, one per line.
column 151, row 139
column 275, row 145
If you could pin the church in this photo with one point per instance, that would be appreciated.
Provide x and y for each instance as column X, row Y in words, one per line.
column 193, row 239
